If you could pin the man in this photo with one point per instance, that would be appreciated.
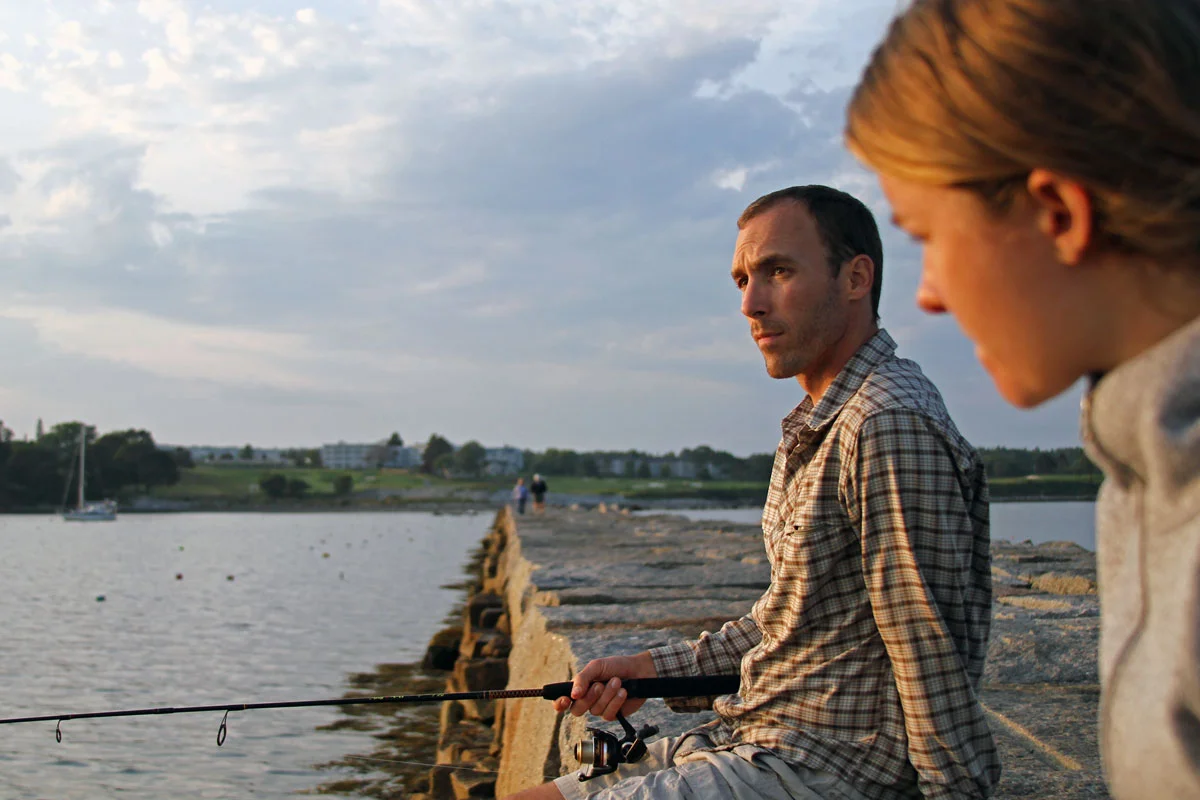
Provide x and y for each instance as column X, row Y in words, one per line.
column 859, row 665
column 538, row 489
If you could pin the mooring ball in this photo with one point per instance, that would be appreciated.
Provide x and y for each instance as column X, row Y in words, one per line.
column 178, row 576
column 228, row 577
column 99, row 598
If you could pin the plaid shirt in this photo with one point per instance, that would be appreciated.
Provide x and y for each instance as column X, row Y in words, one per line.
column 864, row 655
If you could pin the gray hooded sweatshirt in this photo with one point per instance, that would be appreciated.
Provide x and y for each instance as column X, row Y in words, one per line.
column 1142, row 426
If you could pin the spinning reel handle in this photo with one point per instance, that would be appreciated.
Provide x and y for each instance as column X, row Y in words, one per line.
column 602, row 751
column 601, row 754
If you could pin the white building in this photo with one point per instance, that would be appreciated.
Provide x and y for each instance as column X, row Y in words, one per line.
column 503, row 460
column 403, row 458
column 346, row 455
column 206, row 454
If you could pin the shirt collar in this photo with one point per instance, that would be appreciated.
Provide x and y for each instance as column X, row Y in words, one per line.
column 876, row 350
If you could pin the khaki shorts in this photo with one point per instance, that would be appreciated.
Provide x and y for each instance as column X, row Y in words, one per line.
column 682, row 767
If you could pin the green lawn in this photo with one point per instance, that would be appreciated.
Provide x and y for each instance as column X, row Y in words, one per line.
column 213, row 482
column 227, row 481
column 210, row 482
column 1048, row 486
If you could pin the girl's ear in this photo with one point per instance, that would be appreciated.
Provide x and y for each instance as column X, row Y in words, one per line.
column 1064, row 209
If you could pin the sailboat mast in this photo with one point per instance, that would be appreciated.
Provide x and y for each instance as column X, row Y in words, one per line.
column 82, row 448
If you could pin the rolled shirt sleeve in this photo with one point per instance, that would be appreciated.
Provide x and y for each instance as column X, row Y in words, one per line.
column 717, row 653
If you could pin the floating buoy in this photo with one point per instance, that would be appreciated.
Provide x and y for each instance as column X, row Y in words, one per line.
column 324, row 555
column 228, row 577
column 99, row 598
column 180, row 547
column 178, row 576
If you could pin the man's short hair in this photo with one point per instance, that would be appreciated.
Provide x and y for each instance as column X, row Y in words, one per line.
column 846, row 226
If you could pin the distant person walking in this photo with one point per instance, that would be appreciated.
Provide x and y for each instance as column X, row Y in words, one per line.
column 520, row 495
column 1046, row 154
column 538, row 488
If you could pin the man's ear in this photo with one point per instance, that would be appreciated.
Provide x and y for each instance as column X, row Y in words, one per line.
column 1064, row 212
column 859, row 275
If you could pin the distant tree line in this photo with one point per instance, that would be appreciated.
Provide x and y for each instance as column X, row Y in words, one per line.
column 44, row 472
column 705, row 462
column 1000, row 462
column 1012, row 462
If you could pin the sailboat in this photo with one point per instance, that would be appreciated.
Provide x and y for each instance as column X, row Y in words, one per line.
column 104, row 511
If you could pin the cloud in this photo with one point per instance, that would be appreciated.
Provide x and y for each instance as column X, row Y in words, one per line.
column 495, row 219
column 456, row 278
column 167, row 348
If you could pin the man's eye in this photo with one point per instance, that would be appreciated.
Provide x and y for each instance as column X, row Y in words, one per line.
column 780, row 271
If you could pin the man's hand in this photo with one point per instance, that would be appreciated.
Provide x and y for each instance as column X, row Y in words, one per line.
column 597, row 687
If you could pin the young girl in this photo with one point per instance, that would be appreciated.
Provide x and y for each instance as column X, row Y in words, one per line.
column 1046, row 153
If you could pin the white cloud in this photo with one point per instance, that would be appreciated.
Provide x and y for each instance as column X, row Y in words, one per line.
column 253, row 66
column 160, row 73
column 267, row 39
column 171, row 349
column 10, row 73
column 161, row 234
column 73, row 198
column 528, row 201
column 173, row 16
column 714, row 341
column 456, row 278
column 68, row 36
column 733, row 179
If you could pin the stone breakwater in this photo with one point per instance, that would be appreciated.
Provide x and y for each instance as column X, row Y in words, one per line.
column 559, row 589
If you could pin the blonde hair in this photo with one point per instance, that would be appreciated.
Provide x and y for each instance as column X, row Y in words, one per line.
column 976, row 93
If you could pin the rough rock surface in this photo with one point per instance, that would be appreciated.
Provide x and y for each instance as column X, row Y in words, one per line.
column 575, row 585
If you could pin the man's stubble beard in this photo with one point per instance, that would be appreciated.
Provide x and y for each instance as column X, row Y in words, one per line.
column 824, row 328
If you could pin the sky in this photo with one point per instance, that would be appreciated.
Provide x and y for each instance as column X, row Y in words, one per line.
column 291, row 223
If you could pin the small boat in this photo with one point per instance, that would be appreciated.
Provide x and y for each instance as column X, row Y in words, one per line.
column 103, row 511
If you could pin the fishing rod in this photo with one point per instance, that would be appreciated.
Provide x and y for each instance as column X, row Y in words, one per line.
column 639, row 688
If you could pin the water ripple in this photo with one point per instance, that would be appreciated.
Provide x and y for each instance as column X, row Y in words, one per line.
column 291, row 625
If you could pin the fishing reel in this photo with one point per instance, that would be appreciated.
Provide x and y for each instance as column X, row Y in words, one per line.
column 603, row 752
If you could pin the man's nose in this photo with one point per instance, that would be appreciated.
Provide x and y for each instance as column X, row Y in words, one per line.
column 755, row 300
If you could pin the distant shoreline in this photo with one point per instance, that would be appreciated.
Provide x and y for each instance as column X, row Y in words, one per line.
column 457, row 506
